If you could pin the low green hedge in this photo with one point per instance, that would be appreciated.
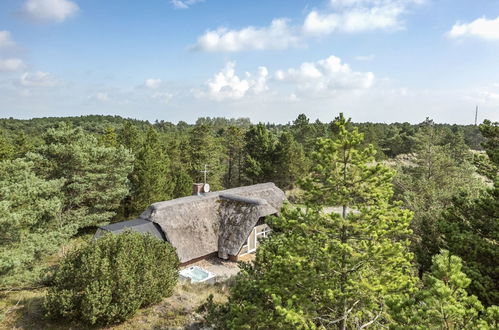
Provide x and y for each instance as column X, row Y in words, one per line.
column 108, row 280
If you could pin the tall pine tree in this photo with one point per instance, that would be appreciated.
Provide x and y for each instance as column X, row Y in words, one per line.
column 31, row 222
column 304, row 133
column 205, row 149
column 321, row 269
column 428, row 185
column 234, row 146
column 95, row 177
column 443, row 303
column 259, row 154
column 151, row 180
column 470, row 227
column 290, row 161
column 6, row 148
column 109, row 138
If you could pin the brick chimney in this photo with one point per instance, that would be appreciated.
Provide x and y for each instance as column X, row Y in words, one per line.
column 197, row 189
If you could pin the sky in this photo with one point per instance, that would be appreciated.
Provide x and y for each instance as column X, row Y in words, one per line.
column 268, row 60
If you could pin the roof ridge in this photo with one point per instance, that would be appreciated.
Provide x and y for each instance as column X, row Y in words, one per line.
column 215, row 194
column 242, row 199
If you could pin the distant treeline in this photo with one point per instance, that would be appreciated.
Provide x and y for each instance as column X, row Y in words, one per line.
column 390, row 139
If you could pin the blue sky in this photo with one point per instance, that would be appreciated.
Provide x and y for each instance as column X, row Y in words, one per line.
column 374, row 60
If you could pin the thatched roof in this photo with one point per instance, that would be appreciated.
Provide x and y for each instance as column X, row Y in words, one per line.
column 218, row 221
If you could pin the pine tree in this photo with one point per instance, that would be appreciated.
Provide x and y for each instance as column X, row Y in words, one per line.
column 30, row 219
column 151, row 178
column 183, row 184
column 347, row 176
column 259, row 154
column 109, row 138
column 234, row 145
column 177, row 150
column 321, row 269
column 429, row 185
column 23, row 145
column 304, row 133
column 443, row 302
column 95, row 177
column 205, row 149
column 470, row 227
column 290, row 161
column 6, row 148
column 130, row 137
column 491, row 133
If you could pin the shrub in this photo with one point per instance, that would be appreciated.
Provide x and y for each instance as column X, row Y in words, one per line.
column 108, row 280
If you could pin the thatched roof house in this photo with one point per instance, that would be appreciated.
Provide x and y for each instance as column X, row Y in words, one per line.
column 227, row 222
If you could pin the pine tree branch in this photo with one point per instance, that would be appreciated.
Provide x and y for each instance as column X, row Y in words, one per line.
column 345, row 315
column 365, row 325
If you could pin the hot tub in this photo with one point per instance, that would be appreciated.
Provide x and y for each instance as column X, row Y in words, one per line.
column 197, row 274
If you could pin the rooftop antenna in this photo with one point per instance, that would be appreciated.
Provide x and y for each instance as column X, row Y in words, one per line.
column 476, row 114
column 205, row 171
column 206, row 186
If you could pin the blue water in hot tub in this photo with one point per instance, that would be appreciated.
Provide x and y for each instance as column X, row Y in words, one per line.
column 197, row 275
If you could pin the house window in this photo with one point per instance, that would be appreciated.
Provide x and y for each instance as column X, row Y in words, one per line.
column 254, row 237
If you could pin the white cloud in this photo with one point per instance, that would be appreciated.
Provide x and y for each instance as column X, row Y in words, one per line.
column 153, row 83
column 11, row 65
column 157, row 91
column 488, row 96
column 226, row 85
column 279, row 35
column 50, row 10
column 481, row 28
column 5, row 40
column 343, row 16
column 38, row 79
column 259, row 85
column 325, row 77
column 184, row 4
column 358, row 16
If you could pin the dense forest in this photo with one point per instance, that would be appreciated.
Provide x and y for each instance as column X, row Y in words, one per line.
column 434, row 186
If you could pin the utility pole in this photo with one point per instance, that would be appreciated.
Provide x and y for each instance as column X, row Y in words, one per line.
column 476, row 114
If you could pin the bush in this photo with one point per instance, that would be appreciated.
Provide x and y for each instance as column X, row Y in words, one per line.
column 108, row 280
